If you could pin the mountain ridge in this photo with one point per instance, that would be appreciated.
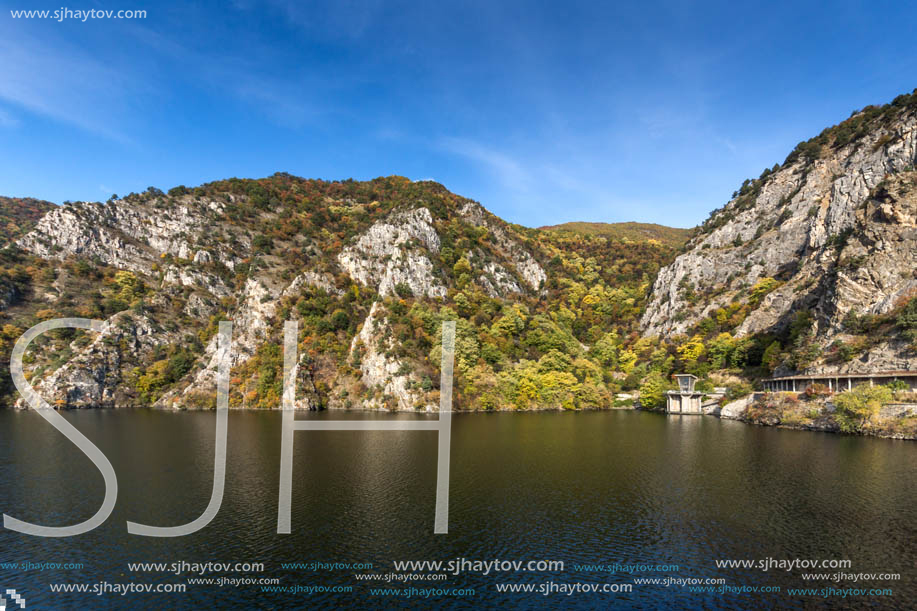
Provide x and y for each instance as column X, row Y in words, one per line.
column 368, row 268
column 821, row 238
column 809, row 267
column 671, row 236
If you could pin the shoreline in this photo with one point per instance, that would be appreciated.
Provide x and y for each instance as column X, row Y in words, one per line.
column 747, row 421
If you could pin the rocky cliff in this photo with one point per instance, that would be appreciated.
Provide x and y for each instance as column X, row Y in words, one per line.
column 809, row 267
column 826, row 237
column 369, row 269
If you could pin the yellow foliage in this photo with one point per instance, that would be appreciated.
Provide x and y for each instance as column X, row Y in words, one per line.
column 11, row 331
column 762, row 287
column 721, row 316
column 691, row 350
column 525, row 392
column 626, row 361
column 45, row 314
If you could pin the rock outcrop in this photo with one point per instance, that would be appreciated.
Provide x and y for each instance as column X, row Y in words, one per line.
column 126, row 235
column 227, row 252
column 382, row 372
column 395, row 254
column 831, row 230
column 94, row 377
column 525, row 264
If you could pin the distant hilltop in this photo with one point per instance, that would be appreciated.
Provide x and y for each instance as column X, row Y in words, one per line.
column 638, row 232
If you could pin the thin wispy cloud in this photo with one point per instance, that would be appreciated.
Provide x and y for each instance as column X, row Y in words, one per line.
column 284, row 103
column 61, row 82
column 728, row 145
column 506, row 170
column 290, row 100
column 344, row 19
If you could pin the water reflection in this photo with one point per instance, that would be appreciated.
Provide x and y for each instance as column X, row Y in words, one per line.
column 598, row 487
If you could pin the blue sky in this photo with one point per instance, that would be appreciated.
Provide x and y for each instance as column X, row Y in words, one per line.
column 545, row 112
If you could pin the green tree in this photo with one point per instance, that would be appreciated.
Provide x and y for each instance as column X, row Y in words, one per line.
column 606, row 349
column 855, row 407
column 626, row 361
column 907, row 320
column 512, row 322
column 340, row 320
column 720, row 349
column 462, row 271
column 773, row 356
column 465, row 307
column 129, row 286
column 554, row 360
column 652, row 391
column 545, row 334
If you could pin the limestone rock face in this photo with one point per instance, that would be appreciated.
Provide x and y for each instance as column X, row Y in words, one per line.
column 498, row 281
column 528, row 268
column 395, row 252
column 734, row 410
column 95, row 376
column 250, row 326
column 837, row 234
column 234, row 252
column 196, row 279
column 382, row 371
column 122, row 234
column 310, row 278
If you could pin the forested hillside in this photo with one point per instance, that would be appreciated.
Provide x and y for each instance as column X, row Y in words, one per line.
column 546, row 319
column 18, row 215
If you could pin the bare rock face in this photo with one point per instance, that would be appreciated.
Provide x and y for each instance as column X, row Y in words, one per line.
column 497, row 281
column 80, row 229
column 382, row 371
column 396, row 252
column 310, row 278
column 196, row 279
column 138, row 235
column 498, row 278
column 814, row 227
column 95, row 376
column 251, row 323
column 251, row 326
column 118, row 233
column 240, row 255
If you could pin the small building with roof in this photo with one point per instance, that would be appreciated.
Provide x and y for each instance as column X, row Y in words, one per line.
column 838, row 382
column 685, row 400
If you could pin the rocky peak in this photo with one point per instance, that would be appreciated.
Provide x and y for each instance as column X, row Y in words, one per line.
column 394, row 253
column 132, row 234
column 773, row 248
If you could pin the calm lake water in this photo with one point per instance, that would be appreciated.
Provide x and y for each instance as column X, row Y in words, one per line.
column 585, row 488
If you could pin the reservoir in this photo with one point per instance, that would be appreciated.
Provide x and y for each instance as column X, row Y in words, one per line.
column 615, row 496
